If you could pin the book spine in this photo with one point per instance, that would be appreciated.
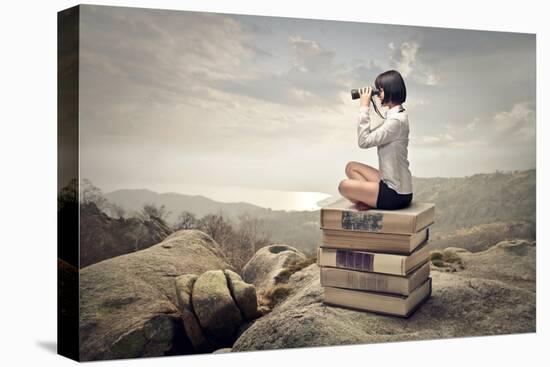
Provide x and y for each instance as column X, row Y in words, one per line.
column 362, row 261
column 364, row 281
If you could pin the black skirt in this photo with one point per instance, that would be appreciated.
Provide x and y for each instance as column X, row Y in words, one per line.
column 388, row 198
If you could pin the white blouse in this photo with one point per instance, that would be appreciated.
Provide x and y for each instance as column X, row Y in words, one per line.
column 392, row 139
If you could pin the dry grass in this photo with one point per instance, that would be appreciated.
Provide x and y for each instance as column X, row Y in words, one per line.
column 272, row 296
column 446, row 260
column 292, row 268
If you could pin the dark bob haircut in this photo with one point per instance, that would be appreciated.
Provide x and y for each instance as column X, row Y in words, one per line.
column 394, row 87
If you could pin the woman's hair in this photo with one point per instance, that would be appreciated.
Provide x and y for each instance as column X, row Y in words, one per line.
column 394, row 87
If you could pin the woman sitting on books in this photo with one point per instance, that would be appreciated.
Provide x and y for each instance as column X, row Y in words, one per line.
column 390, row 187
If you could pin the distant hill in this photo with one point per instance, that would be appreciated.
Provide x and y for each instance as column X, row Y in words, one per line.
column 461, row 202
column 199, row 205
column 479, row 199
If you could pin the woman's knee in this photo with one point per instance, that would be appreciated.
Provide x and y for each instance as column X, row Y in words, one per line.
column 349, row 167
column 344, row 186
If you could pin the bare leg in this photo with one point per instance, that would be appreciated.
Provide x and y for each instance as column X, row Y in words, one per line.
column 360, row 192
column 363, row 172
column 359, row 172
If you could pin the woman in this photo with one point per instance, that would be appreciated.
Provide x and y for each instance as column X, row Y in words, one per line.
column 390, row 187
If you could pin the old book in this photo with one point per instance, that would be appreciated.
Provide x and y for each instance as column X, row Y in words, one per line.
column 377, row 242
column 375, row 282
column 343, row 215
column 379, row 302
column 372, row 261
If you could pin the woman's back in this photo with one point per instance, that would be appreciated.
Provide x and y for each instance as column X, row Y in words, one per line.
column 393, row 160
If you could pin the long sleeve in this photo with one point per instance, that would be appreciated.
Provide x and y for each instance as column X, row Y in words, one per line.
column 367, row 138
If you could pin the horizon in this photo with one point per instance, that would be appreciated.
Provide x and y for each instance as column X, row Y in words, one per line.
column 414, row 176
column 271, row 199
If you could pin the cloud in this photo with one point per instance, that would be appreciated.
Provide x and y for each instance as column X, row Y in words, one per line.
column 432, row 79
column 518, row 122
column 513, row 127
column 404, row 57
column 148, row 73
column 312, row 79
column 444, row 139
column 405, row 60
column 309, row 56
column 472, row 125
column 146, row 52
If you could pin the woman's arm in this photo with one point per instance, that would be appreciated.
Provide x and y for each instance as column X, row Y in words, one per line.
column 367, row 138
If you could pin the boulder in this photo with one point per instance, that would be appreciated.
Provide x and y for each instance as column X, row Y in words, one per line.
column 184, row 287
column 267, row 265
column 493, row 294
column 511, row 261
column 244, row 295
column 215, row 308
column 128, row 303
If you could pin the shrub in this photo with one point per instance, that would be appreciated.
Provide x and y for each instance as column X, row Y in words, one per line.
column 273, row 295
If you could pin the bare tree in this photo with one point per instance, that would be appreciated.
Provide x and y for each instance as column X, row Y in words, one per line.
column 150, row 211
column 68, row 195
column 186, row 220
column 89, row 193
column 116, row 210
column 217, row 226
column 252, row 231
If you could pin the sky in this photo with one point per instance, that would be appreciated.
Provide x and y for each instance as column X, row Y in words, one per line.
column 198, row 102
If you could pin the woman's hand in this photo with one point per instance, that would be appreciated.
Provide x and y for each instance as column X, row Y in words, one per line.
column 365, row 94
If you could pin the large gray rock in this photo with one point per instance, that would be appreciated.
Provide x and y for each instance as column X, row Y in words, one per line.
column 215, row 308
column 184, row 288
column 128, row 303
column 510, row 261
column 494, row 294
column 268, row 263
column 244, row 295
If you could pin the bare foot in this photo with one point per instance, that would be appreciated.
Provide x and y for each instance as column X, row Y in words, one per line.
column 362, row 206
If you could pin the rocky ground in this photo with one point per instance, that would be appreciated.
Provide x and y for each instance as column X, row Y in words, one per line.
column 491, row 292
column 181, row 296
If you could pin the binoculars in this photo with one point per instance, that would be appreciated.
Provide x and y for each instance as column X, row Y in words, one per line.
column 355, row 93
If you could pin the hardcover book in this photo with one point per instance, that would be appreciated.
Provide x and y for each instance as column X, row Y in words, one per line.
column 379, row 302
column 372, row 261
column 375, row 282
column 343, row 215
column 377, row 242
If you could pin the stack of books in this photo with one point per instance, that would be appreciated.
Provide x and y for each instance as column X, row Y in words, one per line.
column 376, row 260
